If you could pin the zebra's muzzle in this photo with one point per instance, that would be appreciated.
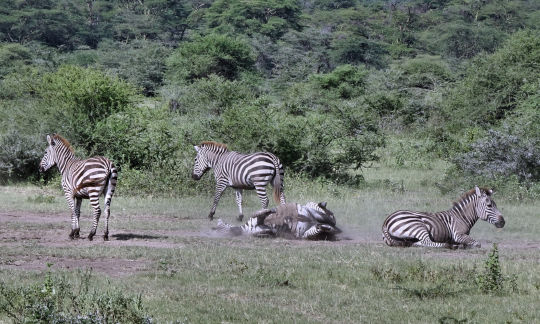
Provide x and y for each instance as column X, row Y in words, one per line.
column 500, row 224
column 195, row 177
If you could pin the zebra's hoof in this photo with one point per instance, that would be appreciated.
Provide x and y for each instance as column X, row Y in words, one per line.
column 211, row 217
column 105, row 237
column 91, row 236
column 240, row 217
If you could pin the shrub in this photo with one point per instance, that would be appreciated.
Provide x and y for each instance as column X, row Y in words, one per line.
column 491, row 279
column 211, row 54
column 19, row 156
column 352, row 49
column 13, row 57
column 57, row 300
column 346, row 81
column 319, row 144
column 80, row 98
column 271, row 18
column 502, row 154
column 495, row 85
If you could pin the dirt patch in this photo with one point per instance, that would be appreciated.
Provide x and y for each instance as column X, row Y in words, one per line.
column 24, row 229
column 112, row 267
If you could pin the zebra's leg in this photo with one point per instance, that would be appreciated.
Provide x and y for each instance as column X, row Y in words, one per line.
column 466, row 240
column 261, row 193
column 76, row 233
column 421, row 233
column 74, row 219
column 220, row 188
column 429, row 243
column 239, row 203
column 94, row 202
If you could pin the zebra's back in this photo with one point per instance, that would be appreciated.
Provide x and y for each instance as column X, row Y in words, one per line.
column 92, row 174
column 246, row 171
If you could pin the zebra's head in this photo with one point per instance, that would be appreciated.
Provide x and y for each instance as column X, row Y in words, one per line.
column 202, row 164
column 486, row 209
column 49, row 159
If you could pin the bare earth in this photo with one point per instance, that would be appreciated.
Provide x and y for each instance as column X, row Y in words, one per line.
column 54, row 227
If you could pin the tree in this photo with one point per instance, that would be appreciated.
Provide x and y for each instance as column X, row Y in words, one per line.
column 268, row 17
column 212, row 54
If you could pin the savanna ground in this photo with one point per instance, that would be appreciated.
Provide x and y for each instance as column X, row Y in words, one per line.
column 164, row 250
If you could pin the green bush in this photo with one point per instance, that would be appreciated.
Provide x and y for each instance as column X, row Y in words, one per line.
column 58, row 300
column 491, row 279
column 19, row 156
column 346, row 81
column 208, row 96
column 494, row 85
column 13, row 57
column 212, row 54
column 271, row 18
column 80, row 98
column 330, row 144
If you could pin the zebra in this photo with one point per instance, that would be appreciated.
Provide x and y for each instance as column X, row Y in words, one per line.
column 311, row 221
column 239, row 171
column 81, row 179
column 448, row 229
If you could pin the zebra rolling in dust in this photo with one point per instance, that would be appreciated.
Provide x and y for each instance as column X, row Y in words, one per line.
column 310, row 221
column 449, row 229
column 239, row 171
column 81, row 179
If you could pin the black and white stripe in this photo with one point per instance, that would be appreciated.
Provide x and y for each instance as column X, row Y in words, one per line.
column 449, row 228
column 239, row 171
column 311, row 221
column 81, row 179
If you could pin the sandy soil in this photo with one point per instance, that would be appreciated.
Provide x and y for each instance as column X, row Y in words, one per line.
column 54, row 229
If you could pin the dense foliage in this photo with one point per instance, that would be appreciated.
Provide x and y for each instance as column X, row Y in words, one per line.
column 320, row 83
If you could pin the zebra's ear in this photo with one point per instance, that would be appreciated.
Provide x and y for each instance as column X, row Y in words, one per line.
column 196, row 148
column 490, row 192
column 323, row 204
column 50, row 140
column 478, row 193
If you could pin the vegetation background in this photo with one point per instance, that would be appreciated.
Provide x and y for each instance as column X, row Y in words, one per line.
column 412, row 100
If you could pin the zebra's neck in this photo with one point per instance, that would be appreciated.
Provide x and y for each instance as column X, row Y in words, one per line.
column 215, row 156
column 64, row 158
column 465, row 211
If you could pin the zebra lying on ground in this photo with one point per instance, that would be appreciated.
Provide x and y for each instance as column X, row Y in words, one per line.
column 449, row 228
column 312, row 221
column 239, row 171
column 81, row 179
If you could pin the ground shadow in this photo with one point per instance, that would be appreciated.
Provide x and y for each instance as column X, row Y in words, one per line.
column 131, row 236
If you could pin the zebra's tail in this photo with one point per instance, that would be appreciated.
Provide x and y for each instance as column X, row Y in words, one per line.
column 278, row 183
column 111, row 184
column 390, row 240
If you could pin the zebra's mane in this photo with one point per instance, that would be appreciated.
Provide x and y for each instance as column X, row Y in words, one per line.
column 64, row 141
column 215, row 144
column 470, row 193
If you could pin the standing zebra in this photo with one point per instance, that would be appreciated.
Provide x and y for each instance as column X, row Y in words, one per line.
column 239, row 171
column 449, row 228
column 86, row 179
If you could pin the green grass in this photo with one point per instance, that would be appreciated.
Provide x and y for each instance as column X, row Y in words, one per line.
column 200, row 278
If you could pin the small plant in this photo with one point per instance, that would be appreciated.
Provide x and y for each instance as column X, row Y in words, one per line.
column 57, row 300
column 491, row 280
